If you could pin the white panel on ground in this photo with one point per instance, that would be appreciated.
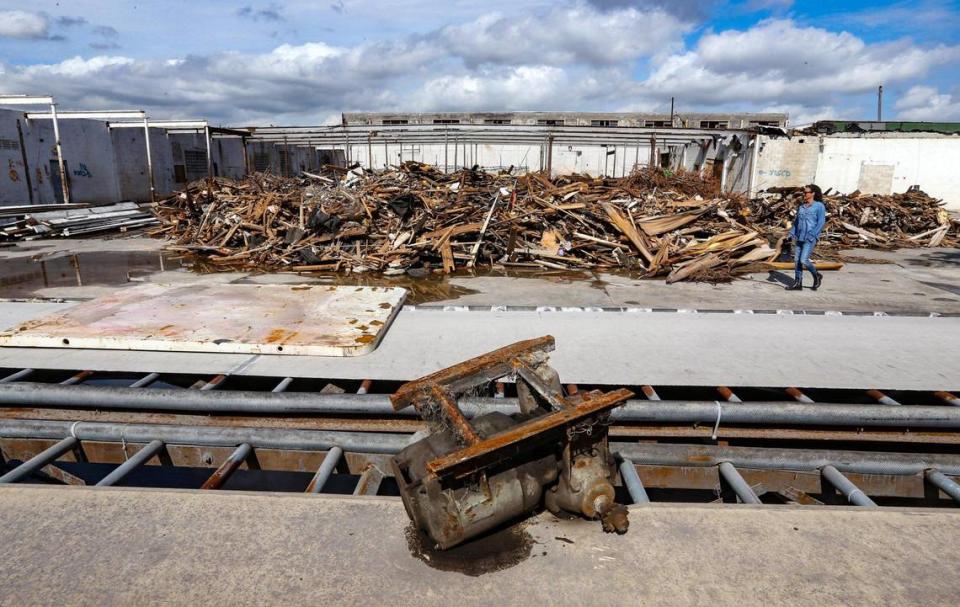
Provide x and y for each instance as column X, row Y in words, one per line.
column 222, row 318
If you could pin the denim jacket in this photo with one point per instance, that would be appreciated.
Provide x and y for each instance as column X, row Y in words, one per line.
column 809, row 222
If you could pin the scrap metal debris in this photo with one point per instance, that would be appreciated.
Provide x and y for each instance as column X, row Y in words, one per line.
column 467, row 477
column 30, row 223
column 416, row 217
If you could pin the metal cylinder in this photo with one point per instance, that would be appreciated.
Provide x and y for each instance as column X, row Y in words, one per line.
column 16, row 376
column 39, row 461
column 801, row 460
column 631, row 480
column 213, row 436
column 738, row 484
column 139, row 458
column 326, row 469
column 945, row 484
column 852, row 492
column 227, row 468
column 26, row 394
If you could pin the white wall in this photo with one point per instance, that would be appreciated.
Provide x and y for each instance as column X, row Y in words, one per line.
column 875, row 163
column 933, row 163
column 590, row 159
column 783, row 162
column 130, row 156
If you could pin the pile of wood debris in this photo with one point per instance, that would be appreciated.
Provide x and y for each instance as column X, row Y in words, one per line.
column 654, row 222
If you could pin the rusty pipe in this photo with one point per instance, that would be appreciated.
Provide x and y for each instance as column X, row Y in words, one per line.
column 227, row 468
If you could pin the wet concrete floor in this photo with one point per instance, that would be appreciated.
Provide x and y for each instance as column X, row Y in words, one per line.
column 918, row 281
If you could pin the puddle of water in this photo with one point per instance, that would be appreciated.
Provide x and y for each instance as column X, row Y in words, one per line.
column 24, row 276
column 495, row 552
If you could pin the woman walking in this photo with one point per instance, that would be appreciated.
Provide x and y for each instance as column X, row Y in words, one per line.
column 811, row 215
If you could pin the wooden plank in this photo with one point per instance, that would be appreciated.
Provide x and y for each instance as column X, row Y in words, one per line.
column 627, row 229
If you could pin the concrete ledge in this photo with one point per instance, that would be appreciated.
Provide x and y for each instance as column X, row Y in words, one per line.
column 84, row 546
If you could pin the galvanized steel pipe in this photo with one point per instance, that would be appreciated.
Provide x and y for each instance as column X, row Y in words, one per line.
column 139, row 458
column 39, row 460
column 25, row 394
column 854, row 494
column 945, row 484
column 738, row 484
column 801, row 460
column 632, row 482
column 228, row 467
column 326, row 469
column 261, row 438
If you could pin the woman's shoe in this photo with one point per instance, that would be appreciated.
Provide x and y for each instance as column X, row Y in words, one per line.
column 796, row 285
column 817, row 280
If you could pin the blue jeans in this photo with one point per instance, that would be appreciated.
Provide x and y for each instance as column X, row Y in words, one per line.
column 801, row 258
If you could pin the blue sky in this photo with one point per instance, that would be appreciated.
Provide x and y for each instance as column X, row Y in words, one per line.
column 304, row 62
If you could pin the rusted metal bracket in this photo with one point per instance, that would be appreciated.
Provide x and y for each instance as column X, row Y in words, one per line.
column 538, row 386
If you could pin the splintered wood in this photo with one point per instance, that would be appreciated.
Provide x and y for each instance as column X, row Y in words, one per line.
column 654, row 222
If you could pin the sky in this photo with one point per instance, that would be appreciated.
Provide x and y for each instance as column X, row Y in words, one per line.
column 304, row 62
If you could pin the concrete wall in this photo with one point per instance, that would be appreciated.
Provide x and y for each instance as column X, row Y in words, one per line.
column 190, row 156
column 874, row 163
column 267, row 157
column 16, row 178
column 783, row 162
column 103, row 165
column 593, row 160
column 130, row 157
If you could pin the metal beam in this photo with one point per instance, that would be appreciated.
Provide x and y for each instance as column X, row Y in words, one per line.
column 137, row 115
column 138, row 459
column 26, row 100
column 187, row 125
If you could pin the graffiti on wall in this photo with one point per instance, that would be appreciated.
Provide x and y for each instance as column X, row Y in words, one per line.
column 14, row 175
column 83, row 171
column 774, row 173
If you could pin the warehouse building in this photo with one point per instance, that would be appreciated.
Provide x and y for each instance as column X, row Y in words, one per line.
column 107, row 161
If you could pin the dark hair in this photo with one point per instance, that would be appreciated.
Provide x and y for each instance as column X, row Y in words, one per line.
column 817, row 192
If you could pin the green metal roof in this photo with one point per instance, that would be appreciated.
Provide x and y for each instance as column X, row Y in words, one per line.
column 860, row 126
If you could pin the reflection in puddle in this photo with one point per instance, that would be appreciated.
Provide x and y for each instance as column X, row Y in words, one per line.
column 24, row 276
column 28, row 277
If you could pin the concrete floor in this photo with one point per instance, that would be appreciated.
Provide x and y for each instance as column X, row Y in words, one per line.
column 915, row 281
column 72, row 546
column 614, row 348
column 908, row 350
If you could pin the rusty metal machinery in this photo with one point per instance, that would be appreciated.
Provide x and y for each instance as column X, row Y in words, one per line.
column 468, row 477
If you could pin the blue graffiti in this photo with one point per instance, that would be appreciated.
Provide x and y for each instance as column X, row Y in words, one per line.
column 83, row 171
column 776, row 173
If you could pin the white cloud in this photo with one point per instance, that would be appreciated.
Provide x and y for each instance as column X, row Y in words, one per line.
column 925, row 103
column 564, row 36
column 23, row 24
column 801, row 115
column 780, row 61
column 564, row 57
